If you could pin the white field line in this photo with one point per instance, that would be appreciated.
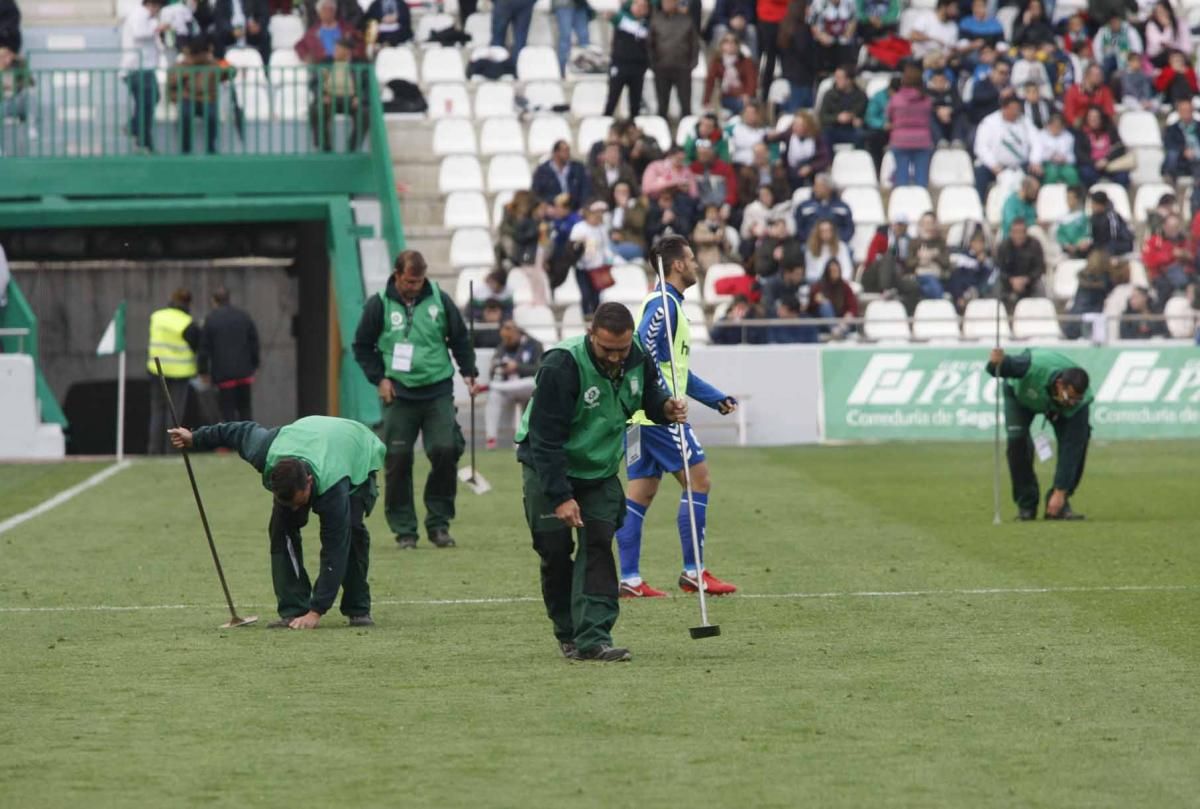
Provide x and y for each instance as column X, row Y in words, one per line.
column 62, row 497
column 846, row 594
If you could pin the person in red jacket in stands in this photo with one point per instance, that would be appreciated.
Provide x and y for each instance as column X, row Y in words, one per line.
column 1178, row 79
column 319, row 42
column 1091, row 92
column 770, row 14
column 1169, row 259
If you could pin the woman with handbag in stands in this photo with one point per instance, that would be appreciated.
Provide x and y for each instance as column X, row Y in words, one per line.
column 593, row 268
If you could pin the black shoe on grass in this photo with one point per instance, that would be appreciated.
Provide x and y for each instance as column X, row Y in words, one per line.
column 568, row 650
column 1027, row 514
column 362, row 620
column 606, row 654
column 441, row 538
column 406, row 542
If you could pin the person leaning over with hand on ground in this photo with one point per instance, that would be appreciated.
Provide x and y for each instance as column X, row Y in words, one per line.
column 403, row 344
column 650, row 449
column 570, row 446
column 1044, row 383
column 321, row 464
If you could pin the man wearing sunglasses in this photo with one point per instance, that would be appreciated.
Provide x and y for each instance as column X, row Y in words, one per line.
column 1044, row 383
column 318, row 463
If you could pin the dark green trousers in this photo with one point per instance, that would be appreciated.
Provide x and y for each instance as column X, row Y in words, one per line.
column 581, row 593
column 1072, row 434
column 434, row 420
column 293, row 588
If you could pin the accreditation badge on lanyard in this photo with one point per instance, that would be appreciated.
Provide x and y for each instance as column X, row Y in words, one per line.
column 402, row 357
column 633, row 443
column 1041, row 443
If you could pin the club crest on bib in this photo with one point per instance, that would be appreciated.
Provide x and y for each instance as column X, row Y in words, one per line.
column 591, row 396
column 433, row 311
column 633, row 385
column 397, row 320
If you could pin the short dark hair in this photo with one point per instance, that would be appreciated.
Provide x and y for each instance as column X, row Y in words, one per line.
column 411, row 260
column 289, row 476
column 613, row 317
column 668, row 248
column 1077, row 378
column 221, row 296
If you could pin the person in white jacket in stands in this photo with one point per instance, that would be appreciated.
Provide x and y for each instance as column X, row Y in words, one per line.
column 1053, row 156
column 1004, row 140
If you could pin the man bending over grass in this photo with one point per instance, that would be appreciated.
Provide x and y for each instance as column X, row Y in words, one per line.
column 320, row 463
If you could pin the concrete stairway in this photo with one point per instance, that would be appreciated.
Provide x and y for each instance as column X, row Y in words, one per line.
column 68, row 13
column 414, row 163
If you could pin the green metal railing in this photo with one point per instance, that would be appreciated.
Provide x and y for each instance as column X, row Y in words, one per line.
column 103, row 112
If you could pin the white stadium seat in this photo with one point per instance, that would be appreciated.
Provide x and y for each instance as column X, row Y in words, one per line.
column 454, row 136
column 249, row 65
column 656, row 127
column 465, row 209
column 1181, row 317
column 951, row 167
column 885, row 320
column 865, row 204
column 698, row 325
column 427, row 24
column 1066, row 278
column 1117, row 300
column 887, row 170
column 629, row 285
column 1137, row 273
column 471, row 247
column 958, row 203
column 286, row 30
column 687, row 125
column 716, row 273
column 460, row 173
column 912, row 200
column 1036, row 318
column 518, row 285
column 256, row 102
column 508, row 172
column 592, row 130
column 501, row 135
column 285, row 57
column 994, row 207
column 462, row 287
column 537, row 63
column 1147, row 199
column 1052, row 203
column 502, row 199
column 979, row 320
column 1148, row 166
column 573, row 324
column 544, row 96
column 493, row 98
column 853, row 167
column 545, row 131
column 396, row 63
column 588, row 97
column 442, row 65
column 1139, row 128
column 538, row 322
column 935, row 319
column 449, row 101
column 478, row 27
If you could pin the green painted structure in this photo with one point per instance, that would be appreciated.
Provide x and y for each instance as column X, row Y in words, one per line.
column 267, row 180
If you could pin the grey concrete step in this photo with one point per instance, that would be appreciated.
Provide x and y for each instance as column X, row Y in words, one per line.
column 434, row 245
column 422, row 209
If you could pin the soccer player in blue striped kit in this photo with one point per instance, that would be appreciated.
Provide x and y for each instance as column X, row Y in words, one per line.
column 651, row 449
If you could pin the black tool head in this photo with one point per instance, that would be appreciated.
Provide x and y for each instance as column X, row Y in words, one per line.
column 698, row 632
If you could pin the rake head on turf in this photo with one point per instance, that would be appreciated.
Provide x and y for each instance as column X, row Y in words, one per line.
column 707, row 631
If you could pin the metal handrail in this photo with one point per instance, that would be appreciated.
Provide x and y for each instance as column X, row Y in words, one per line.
column 20, row 334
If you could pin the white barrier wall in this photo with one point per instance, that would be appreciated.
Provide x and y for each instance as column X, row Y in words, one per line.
column 22, row 434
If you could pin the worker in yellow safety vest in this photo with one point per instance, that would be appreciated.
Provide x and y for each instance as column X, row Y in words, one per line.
column 174, row 338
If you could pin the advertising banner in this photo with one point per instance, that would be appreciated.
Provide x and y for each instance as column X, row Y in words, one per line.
column 944, row 394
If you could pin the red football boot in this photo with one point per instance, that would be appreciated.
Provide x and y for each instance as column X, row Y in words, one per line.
column 712, row 585
column 642, row 590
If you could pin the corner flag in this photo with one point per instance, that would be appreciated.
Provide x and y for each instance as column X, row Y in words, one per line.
column 113, row 340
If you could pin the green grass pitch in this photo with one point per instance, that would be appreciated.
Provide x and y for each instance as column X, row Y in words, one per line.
column 891, row 647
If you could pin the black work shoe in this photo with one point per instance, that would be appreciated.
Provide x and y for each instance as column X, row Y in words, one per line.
column 606, row 654
column 361, row 620
column 568, row 650
column 282, row 623
column 1027, row 514
column 406, row 541
column 441, row 538
column 1065, row 514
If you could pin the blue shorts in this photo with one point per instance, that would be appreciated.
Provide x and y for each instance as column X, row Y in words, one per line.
column 659, row 451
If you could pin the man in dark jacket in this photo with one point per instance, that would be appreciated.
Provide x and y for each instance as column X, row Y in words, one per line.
column 670, row 212
column 1021, row 264
column 561, row 175
column 612, row 169
column 394, row 22
column 630, row 56
column 842, row 109
column 986, row 93
column 510, row 380
column 242, row 23
column 824, row 204
column 229, row 356
column 403, row 345
column 10, row 26
column 1109, row 230
column 1181, row 149
column 674, row 48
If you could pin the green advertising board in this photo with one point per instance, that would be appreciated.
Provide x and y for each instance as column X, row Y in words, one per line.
column 944, row 394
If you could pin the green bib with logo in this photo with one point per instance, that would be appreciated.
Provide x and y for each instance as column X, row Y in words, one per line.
column 333, row 448
column 412, row 342
column 1033, row 389
column 596, row 444
column 682, row 346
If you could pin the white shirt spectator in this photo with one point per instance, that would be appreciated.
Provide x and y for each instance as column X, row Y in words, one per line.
column 814, row 264
column 1057, row 148
column 942, row 35
column 597, row 245
column 1003, row 144
column 742, row 140
column 1025, row 71
column 139, row 40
